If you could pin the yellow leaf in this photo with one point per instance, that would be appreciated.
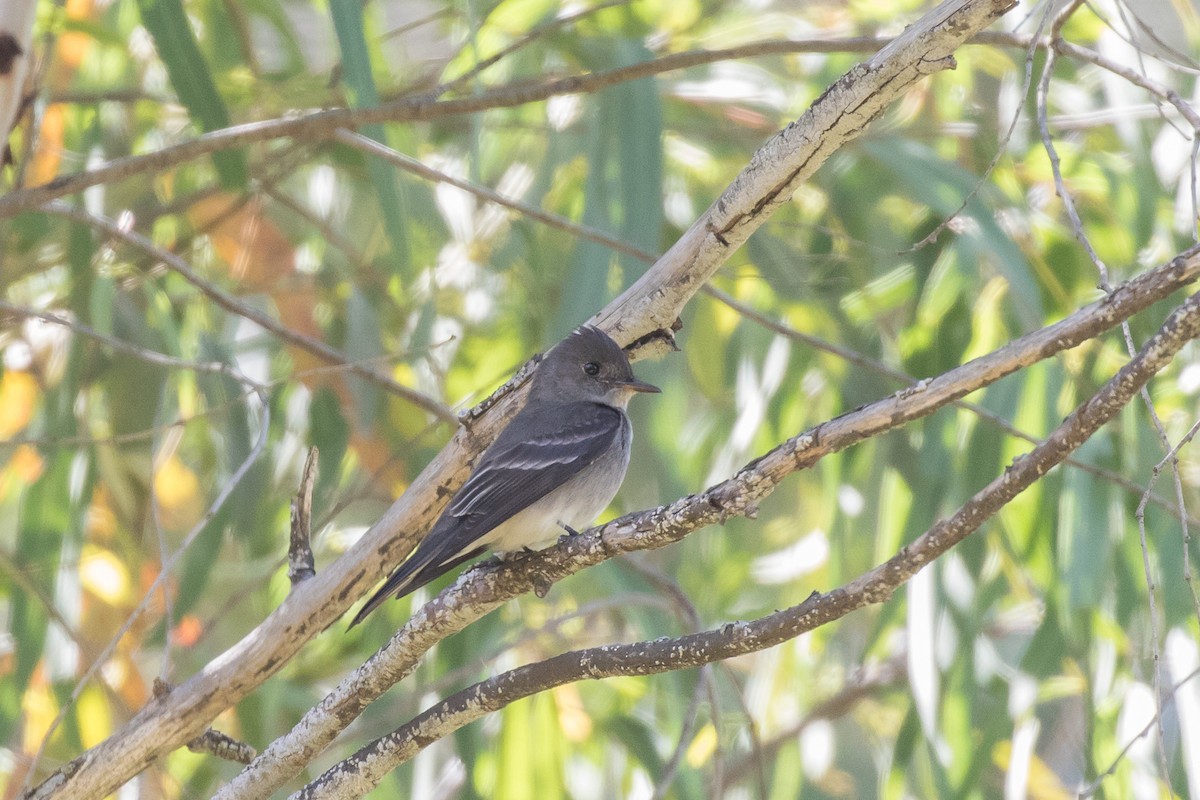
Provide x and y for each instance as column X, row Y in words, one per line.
column 102, row 574
column 188, row 631
column 989, row 330
column 702, row 747
column 573, row 718
column 178, row 492
column 94, row 716
column 257, row 252
column 39, row 709
column 101, row 518
column 1043, row 783
column 23, row 469
column 46, row 160
column 18, row 398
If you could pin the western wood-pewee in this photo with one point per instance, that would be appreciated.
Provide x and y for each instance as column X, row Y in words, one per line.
column 556, row 466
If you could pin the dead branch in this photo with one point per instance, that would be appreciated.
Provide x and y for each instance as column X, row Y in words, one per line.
column 481, row 591
column 652, row 303
column 362, row 772
column 300, row 554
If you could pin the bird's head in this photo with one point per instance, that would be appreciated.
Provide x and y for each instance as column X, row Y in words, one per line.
column 587, row 366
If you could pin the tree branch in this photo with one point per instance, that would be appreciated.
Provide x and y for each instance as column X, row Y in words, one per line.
column 300, row 554
column 322, row 124
column 242, row 309
column 653, row 302
column 619, row 245
column 363, row 771
column 478, row 592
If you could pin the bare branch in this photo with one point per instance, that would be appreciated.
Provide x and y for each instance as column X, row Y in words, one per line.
column 480, row 591
column 875, row 365
column 212, row 741
column 222, row 745
column 322, row 124
column 619, row 245
column 363, row 771
column 654, row 302
column 300, row 554
column 235, row 306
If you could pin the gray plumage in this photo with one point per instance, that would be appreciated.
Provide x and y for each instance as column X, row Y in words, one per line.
column 555, row 467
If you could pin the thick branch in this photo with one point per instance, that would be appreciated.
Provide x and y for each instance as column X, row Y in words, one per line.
column 363, row 771
column 478, row 592
column 652, row 303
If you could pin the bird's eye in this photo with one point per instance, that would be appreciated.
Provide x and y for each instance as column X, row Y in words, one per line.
column 591, row 368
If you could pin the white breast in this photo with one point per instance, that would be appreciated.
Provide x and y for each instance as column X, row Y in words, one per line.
column 576, row 503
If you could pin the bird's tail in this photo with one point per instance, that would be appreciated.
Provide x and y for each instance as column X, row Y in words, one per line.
column 410, row 576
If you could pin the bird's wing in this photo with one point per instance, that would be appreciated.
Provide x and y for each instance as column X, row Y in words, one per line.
column 523, row 465
column 519, row 468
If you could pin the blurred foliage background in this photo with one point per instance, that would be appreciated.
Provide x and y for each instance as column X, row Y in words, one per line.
column 1021, row 665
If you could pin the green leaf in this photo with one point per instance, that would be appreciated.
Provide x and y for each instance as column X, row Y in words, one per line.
column 637, row 112
column 44, row 520
column 363, row 343
column 1085, row 517
column 943, row 186
column 624, row 182
column 638, row 740
column 177, row 47
column 330, row 434
column 356, row 72
column 585, row 287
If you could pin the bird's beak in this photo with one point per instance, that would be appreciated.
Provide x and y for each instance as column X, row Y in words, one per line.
column 639, row 386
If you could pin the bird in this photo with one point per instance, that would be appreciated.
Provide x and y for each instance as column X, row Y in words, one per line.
column 555, row 466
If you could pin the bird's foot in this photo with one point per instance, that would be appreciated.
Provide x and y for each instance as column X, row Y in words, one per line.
column 570, row 533
column 494, row 560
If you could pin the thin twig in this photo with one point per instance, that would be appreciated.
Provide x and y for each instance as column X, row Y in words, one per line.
column 320, row 124
column 528, row 38
column 409, row 164
column 300, row 554
column 125, row 347
column 1002, row 146
column 1059, row 45
column 866, row 683
column 246, row 311
column 1094, row 786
